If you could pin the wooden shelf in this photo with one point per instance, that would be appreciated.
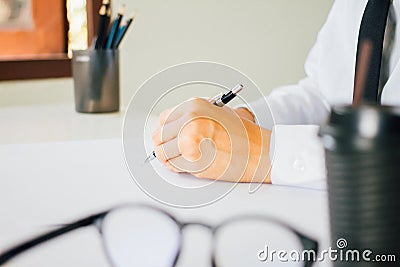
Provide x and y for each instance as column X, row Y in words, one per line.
column 38, row 67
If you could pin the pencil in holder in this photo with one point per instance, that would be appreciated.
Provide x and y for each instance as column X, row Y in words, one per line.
column 96, row 80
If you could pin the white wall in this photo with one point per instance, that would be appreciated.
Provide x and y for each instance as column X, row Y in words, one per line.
column 268, row 40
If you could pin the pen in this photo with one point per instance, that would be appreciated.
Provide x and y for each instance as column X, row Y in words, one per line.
column 122, row 31
column 220, row 102
column 112, row 37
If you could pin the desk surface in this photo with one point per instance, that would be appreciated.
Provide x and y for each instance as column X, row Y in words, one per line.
column 56, row 122
column 47, row 183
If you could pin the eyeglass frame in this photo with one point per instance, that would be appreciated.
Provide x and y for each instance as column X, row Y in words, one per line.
column 98, row 218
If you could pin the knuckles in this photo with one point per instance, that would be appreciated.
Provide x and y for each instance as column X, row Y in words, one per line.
column 189, row 146
column 195, row 127
column 194, row 106
column 198, row 126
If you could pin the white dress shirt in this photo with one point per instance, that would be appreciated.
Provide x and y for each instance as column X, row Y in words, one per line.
column 296, row 110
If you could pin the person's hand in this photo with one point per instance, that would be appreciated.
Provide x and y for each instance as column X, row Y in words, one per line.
column 213, row 142
column 244, row 113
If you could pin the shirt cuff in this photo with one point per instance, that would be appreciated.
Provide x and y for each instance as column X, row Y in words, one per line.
column 297, row 156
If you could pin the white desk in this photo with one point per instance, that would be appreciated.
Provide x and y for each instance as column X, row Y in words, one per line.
column 46, row 183
column 56, row 122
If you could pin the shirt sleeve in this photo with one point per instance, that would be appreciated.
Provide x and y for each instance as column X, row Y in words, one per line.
column 302, row 103
column 296, row 153
column 294, row 113
column 297, row 156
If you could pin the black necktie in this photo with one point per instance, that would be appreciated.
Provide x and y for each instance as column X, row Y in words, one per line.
column 369, row 51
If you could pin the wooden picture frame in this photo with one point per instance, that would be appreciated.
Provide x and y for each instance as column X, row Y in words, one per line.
column 50, row 65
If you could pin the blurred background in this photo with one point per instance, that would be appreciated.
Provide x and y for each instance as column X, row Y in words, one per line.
column 268, row 40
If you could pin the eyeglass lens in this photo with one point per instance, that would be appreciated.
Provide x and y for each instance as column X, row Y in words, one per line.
column 256, row 242
column 142, row 236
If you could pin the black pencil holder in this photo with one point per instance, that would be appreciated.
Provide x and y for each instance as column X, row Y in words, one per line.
column 96, row 80
column 362, row 148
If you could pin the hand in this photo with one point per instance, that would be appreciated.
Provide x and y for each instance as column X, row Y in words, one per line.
column 244, row 113
column 213, row 142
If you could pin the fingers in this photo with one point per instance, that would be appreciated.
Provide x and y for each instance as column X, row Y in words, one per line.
column 245, row 113
column 167, row 151
column 172, row 168
column 187, row 145
column 186, row 154
column 184, row 142
column 166, row 116
column 174, row 113
column 192, row 105
column 169, row 131
column 195, row 158
column 172, row 120
column 180, row 164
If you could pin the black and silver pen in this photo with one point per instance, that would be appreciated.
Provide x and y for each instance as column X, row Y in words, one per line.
column 220, row 102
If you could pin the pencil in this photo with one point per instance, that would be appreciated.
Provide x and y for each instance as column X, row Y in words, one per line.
column 123, row 30
column 104, row 13
column 112, row 37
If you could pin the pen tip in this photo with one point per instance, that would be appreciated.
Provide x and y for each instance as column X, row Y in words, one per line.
column 150, row 157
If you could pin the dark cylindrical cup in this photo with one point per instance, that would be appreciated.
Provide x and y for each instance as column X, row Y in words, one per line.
column 363, row 164
column 96, row 80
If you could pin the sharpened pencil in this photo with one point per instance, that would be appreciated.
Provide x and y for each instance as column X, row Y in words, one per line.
column 112, row 37
column 104, row 13
column 123, row 30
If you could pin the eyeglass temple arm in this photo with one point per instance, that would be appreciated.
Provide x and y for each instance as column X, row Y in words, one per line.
column 13, row 252
column 309, row 244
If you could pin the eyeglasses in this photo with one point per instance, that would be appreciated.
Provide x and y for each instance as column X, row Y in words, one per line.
column 142, row 235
